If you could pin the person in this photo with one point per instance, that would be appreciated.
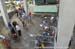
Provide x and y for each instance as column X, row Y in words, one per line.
column 21, row 11
column 18, row 29
column 23, row 18
column 29, row 16
column 14, row 23
column 13, row 34
column 22, row 14
column 16, row 11
column 12, row 30
column 9, row 26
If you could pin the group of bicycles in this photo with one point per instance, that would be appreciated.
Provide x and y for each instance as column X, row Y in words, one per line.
column 47, row 33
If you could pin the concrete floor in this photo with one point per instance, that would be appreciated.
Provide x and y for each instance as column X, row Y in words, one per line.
column 27, row 41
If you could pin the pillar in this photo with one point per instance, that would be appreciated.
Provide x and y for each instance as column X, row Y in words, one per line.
column 33, row 2
column 65, row 23
column 26, row 6
column 4, row 12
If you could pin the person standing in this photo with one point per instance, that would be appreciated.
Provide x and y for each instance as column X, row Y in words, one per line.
column 22, row 14
column 18, row 29
column 9, row 26
column 21, row 11
column 30, row 16
column 13, row 31
column 16, row 11
column 23, row 18
column 14, row 23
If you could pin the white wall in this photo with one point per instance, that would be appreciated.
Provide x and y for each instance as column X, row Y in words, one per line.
column 25, row 6
column 4, row 12
column 65, row 23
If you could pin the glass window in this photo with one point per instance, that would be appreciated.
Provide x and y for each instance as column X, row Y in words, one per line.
column 45, row 2
column 51, row 1
column 39, row 2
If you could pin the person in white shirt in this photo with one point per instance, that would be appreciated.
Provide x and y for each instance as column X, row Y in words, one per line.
column 18, row 29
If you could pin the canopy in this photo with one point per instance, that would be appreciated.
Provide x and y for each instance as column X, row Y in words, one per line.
column 45, row 8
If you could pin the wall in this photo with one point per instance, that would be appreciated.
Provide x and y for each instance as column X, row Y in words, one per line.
column 65, row 23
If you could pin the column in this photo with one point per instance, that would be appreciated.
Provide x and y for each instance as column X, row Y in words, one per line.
column 4, row 12
column 33, row 2
column 25, row 6
column 65, row 23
